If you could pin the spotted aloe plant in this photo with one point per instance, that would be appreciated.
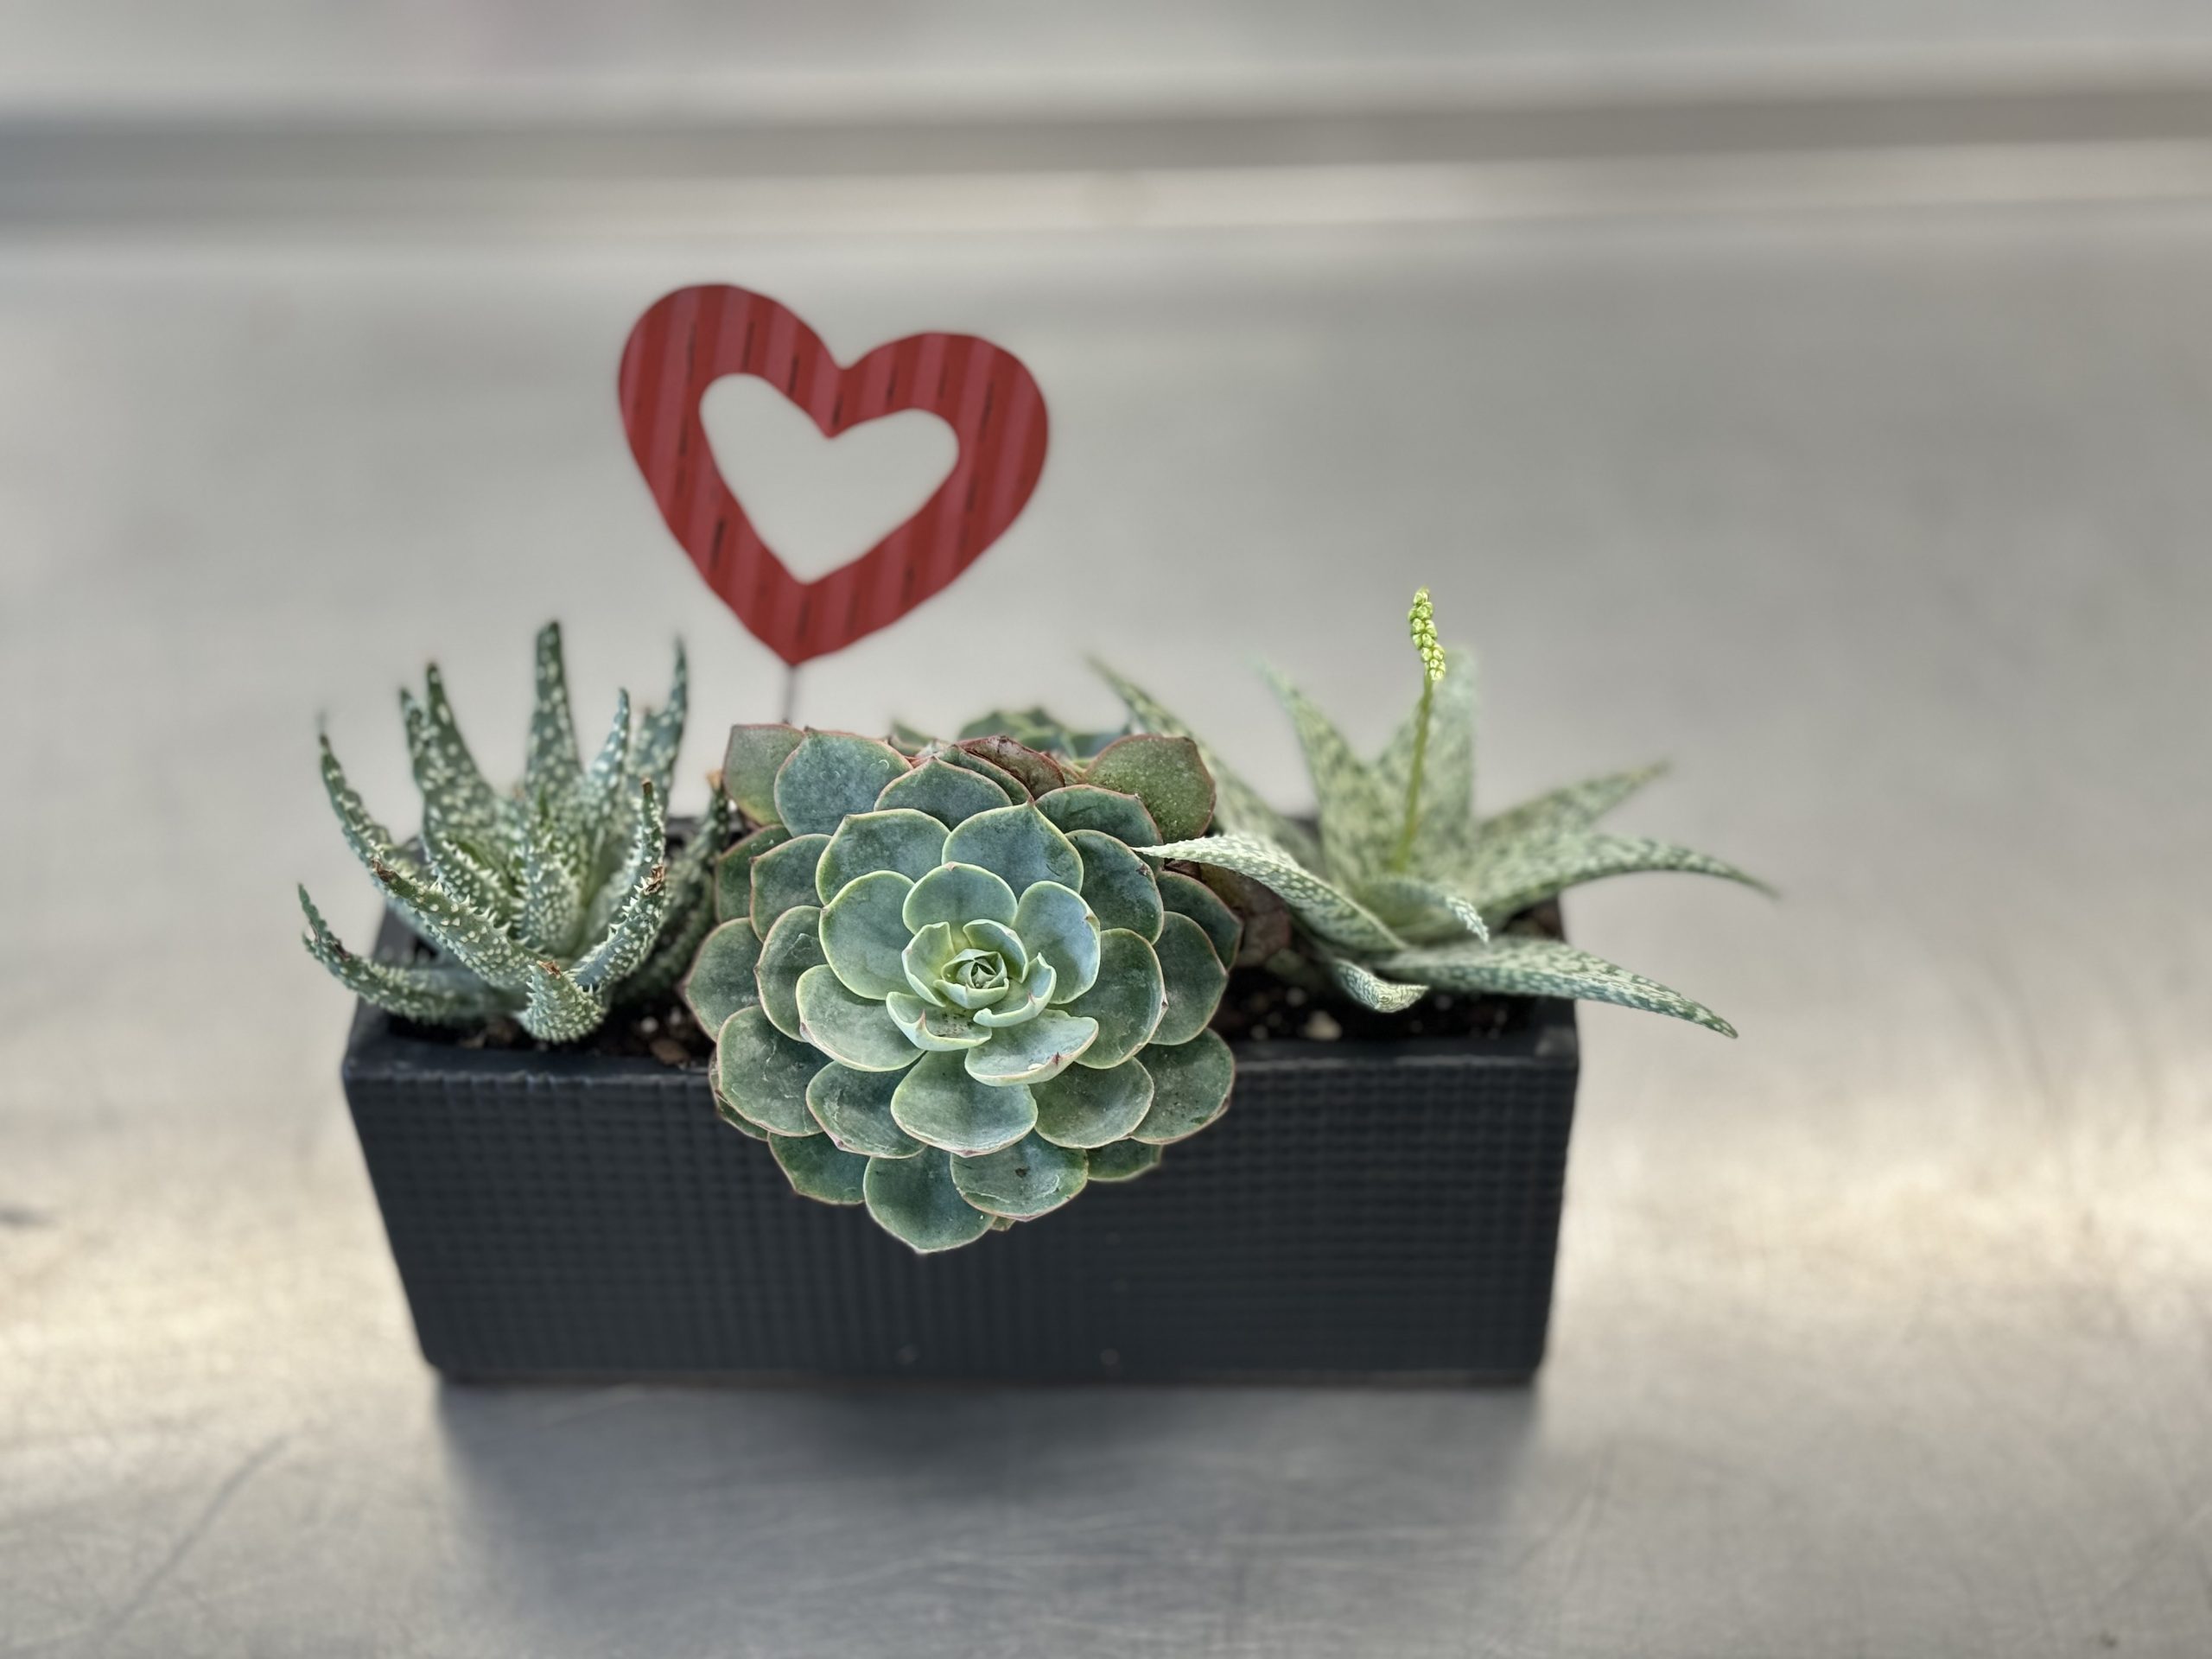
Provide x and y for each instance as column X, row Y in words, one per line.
column 944, row 986
column 551, row 904
column 1404, row 889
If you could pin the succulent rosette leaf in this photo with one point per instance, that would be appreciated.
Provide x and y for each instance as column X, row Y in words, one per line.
column 946, row 987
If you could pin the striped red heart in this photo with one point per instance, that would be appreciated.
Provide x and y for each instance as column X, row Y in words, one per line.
column 693, row 337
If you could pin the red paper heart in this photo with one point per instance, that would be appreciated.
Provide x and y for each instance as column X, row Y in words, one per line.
column 693, row 337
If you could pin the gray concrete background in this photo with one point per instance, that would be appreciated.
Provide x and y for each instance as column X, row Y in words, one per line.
column 1885, row 1330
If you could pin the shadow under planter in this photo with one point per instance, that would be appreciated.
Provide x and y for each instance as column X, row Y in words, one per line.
column 1363, row 1212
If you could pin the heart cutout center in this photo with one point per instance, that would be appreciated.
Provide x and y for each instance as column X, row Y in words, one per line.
column 817, row 501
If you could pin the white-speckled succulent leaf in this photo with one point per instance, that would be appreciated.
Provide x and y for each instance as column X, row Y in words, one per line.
column 1326, row 911
column 1516, row 966
column 1359, row 821
column 1372, row 990
column 1509, row 877
column 1577, row 806
column 1422, row 911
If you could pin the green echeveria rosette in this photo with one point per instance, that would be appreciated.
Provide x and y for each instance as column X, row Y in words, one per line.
column 949, row 989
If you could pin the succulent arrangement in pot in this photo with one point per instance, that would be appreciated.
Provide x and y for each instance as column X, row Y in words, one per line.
column 856, row 1072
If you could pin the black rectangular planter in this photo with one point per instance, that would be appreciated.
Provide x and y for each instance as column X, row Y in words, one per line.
column 1363, row 1212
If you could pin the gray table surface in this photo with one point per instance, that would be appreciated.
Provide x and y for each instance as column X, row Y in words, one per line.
column 1884, row 1330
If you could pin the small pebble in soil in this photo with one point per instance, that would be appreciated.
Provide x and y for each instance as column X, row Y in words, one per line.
column 1322, row 1027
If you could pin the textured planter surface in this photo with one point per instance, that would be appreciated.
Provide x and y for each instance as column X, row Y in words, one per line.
column 1362, row 1211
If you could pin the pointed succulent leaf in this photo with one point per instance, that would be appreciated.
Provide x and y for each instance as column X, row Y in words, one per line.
column 854, row 1108
column 1194, row 980
column 1022, row 1002
column 763, row 1074
column 1126, row 1003
column 1359, row 820
column 556, row 860
column 830, row 776
column 750, row 764
column 370, row 842
column 793, row 949
column 637, row 921
column 721, row 980
column 782, row 879
column 1029, row 1179
column 660, row 734
column 1238, row 805
column 956, row 894
column 1577, row 806
column 1124, row 1161
column 595, row 791
column 558, row 1007
column 856, row 1031
column 1190, row 1088
column 431, row 994
column 1110, row 811
column 1019, row 844
column 551, row 766
column 1186, row 896
column 1513, row 965
column 1016, row 791
column 733, row 871
column 900, row 839
column 468, row 869
column 863, row 935
column 690, row 910
column 445, row 771
column 1038, row 771
column 1422, row 911
column 467, row 937
column 984, row 934
column 1166, row 773
column 1117, row 884
column 1509, row 877
column 1371, row 990
column 1036, row 1049
column 818, row 1170
column 915, row 1201
column 941, row 1104
column 910, row 741
column 1329, row 914
column 948, row 793
column 934, row 1029
column 1054, row 922
column 1083, row 1107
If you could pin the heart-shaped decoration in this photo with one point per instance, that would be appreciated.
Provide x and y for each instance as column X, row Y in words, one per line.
column 690, row 338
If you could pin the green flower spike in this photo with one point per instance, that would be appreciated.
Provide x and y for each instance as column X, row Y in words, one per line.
column 963, row 982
